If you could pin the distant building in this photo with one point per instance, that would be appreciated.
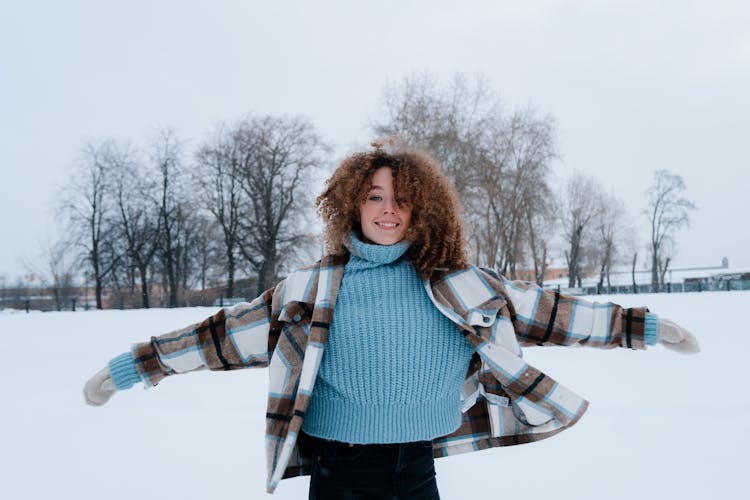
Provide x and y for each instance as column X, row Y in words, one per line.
column 549, row 274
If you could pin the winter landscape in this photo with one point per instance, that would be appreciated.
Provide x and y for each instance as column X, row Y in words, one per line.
column 651, row 431
column 609, row 140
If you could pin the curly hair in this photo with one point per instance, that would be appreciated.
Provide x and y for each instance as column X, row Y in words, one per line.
column 435, row 232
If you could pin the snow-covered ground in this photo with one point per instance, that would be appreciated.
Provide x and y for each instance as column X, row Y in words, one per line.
column 660, row 425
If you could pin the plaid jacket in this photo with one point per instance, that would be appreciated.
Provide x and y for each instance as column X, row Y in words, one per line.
column 506, row 401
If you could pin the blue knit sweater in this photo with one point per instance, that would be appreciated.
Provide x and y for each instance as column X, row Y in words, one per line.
column 393, row 366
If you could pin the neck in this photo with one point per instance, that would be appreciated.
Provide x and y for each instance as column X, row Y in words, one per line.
column 380, row 254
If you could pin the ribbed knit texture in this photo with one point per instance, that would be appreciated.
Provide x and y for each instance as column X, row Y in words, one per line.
column 123, row 372
column 393, row 366
column 651, row 333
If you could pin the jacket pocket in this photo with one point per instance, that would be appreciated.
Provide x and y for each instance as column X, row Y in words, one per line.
column 494, row 399
column 530, row 413
column 514, row 419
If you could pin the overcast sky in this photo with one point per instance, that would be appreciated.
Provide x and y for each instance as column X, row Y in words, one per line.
column 634, row 86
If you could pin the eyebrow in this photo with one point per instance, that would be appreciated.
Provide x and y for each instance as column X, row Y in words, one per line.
column 376, row 187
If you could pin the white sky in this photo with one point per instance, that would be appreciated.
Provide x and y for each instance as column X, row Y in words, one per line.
column 634, row 86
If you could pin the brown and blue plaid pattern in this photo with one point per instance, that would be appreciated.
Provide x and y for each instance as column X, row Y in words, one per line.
column 507, row 401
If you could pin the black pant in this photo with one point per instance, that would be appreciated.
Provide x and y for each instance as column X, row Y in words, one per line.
column 403, row 471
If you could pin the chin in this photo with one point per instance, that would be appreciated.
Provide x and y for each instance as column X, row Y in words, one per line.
column 385, row 240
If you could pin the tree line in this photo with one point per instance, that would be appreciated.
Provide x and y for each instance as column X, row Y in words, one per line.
column 157, row 219
column 153, row 223
column 517, row 215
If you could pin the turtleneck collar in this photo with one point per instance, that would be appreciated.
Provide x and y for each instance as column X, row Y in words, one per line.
column 375, row 254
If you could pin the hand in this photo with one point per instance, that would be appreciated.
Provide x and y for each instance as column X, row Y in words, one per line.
column 678, row 339
column 99, row 388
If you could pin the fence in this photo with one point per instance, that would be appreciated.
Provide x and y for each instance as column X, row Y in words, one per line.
column 687, row 286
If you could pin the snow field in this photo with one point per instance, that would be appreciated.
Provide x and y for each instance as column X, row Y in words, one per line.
column 660, row 425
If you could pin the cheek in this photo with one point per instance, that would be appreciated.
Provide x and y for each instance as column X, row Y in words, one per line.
column 363, row 212
column 407, row 220
column 366, row 214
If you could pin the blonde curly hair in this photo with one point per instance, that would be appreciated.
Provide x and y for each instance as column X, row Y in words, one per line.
column 435, row 232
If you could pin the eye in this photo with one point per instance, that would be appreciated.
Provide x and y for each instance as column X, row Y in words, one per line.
column 402, row 201
column 375, row 197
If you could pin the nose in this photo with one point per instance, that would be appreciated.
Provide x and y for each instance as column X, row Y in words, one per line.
column 390, row 206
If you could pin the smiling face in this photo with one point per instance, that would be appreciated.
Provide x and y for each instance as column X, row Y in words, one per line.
column 384, row 221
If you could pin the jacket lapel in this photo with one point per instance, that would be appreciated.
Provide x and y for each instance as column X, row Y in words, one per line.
column 330, row 275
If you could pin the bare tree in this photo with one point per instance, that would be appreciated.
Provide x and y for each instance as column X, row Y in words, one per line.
column 446, row 121
column 514, row 185
column 667, row 211
column 172, row 209
column 499, row 163
column 581, row 206
column 87, row 208
column 611, row 238
column 668, row 250
column 138, row 220
column 218, row 171
column 539, row 220
column 279, row 158
column 57, row 276
column 207, row 261
column 193, row 249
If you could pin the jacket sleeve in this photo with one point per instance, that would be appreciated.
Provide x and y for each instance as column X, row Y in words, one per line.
column 240, row 336
column 547, row 317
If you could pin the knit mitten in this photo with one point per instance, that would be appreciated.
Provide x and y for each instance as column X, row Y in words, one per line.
column 99, row 388
column 674, row 337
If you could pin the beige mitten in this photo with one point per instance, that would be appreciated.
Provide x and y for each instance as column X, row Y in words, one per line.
column 99, row 388
column 674, row 337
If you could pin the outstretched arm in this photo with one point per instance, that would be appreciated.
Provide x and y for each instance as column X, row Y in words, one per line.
column 235, row 337
column 546, row 317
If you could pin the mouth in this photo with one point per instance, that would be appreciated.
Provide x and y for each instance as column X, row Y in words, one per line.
column 387, row 225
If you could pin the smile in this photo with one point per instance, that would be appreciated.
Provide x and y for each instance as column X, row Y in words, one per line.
column 387, row 225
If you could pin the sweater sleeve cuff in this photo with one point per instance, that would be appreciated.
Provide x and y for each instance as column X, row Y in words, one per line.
column 651, row 334
column 123, row 372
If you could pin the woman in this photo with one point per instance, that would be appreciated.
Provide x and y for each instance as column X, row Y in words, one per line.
column 419, row 358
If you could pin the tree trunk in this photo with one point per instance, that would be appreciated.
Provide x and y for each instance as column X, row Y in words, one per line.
column 540, row 278
column 230, row 272
column 143, row 271
column 98, row 292
column 575, row 247
column 663, row 272
column 267, row 274
column 604, row 270
column 654, row 271
column 171, row 279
